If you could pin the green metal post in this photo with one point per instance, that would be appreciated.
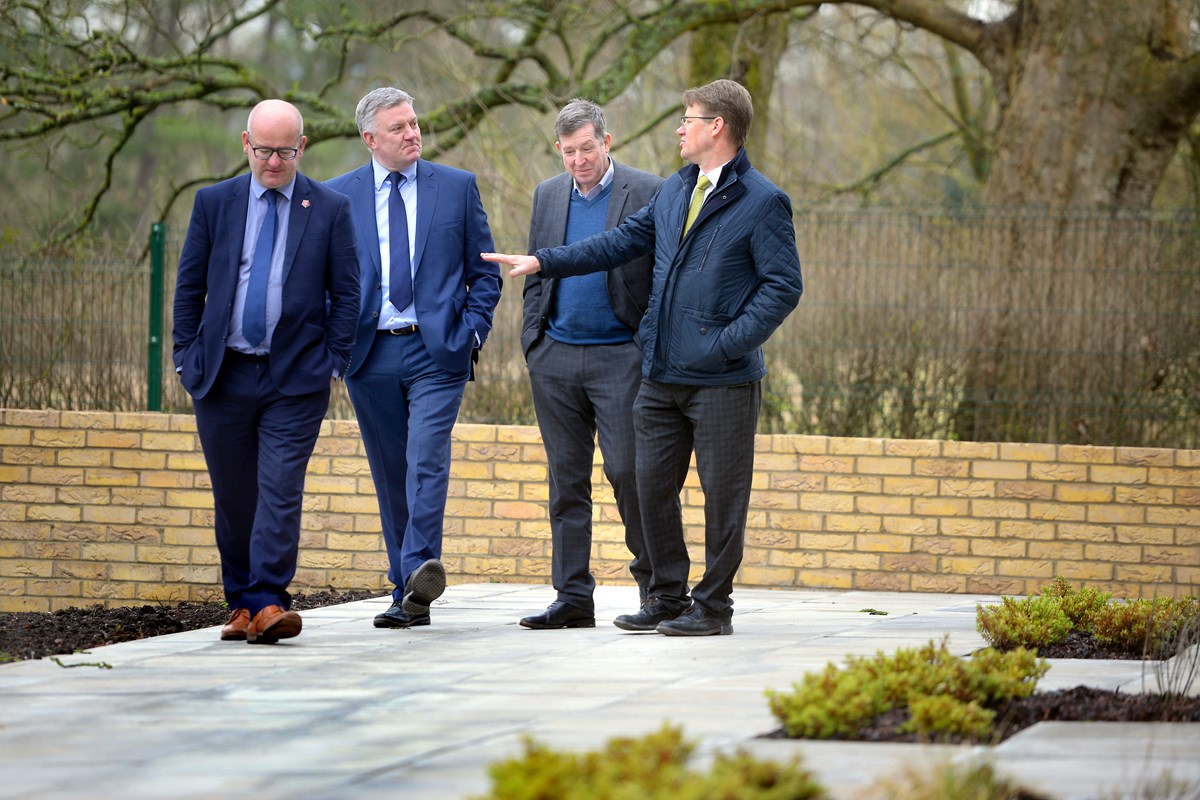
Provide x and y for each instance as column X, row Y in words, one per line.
column 155, row 351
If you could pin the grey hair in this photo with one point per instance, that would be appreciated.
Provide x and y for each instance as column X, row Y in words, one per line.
column 378, row 100
column 578, row 113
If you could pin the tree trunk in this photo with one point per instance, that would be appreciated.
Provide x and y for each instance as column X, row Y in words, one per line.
column 748, row 53
column 1094, row 100
column 1093, row 105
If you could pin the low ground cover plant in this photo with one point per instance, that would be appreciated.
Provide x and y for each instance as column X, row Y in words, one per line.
column 1033, row 622
column 1158, row 627
column 940, row 696
column 1153, row 628
column 653, row 767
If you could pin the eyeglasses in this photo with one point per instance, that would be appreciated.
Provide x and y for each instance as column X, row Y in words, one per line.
column 264, row 153
column 685, row 119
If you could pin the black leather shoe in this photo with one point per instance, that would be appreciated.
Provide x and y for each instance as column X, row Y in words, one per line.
column 696, row 622
column 653, row 611
column 560, row 615
column 425, row 584
column 397, row 617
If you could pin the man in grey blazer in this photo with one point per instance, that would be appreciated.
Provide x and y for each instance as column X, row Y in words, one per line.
column 584, row 365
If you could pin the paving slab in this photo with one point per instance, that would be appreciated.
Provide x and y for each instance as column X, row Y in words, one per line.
column 349, row 711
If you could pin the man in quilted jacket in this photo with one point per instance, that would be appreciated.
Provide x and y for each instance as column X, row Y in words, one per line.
column 726, row 275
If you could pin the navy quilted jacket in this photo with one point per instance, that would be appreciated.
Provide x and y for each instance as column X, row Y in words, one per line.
column 719, row 293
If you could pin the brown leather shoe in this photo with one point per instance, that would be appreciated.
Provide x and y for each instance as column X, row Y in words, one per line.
column 272, row 624
column 235, row 627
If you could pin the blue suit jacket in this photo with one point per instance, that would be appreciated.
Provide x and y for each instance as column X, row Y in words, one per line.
column 454, row 290
column 320, row 287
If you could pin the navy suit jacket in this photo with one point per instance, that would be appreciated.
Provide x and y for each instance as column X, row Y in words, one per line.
column 319, row 296
column 454, row 290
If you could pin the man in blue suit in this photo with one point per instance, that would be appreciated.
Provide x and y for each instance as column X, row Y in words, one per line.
column 426, row 309
column 265, row 309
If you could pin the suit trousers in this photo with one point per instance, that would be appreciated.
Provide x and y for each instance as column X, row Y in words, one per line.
column 581, row 393
column 406, row 406
column 719, row 422
column 257, row 443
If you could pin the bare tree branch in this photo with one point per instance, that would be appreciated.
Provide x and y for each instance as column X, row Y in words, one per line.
column 865, row 183
column 98, row 69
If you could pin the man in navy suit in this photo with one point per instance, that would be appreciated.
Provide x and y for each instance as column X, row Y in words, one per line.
column 426, row 309
column 265, row 309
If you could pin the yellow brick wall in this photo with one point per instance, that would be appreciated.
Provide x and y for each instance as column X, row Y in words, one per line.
column 116, row 509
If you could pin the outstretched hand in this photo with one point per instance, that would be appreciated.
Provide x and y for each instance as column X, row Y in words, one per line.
column 521, row 265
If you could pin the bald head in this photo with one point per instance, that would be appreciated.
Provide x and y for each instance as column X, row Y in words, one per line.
column 275, row 113
column 274, row 142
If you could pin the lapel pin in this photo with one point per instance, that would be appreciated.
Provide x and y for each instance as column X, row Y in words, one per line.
column 304, row 204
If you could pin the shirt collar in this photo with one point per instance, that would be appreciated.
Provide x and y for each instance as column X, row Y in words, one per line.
column 605, row 180
column 714, row 175
column 382, row 173
column 285, row 190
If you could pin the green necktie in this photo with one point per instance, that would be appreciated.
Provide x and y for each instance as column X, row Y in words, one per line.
column 697, row 200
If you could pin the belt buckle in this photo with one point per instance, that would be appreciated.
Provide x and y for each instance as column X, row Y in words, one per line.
column 405, row 331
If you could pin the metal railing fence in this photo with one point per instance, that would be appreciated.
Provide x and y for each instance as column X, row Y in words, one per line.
column 980, row 324
column 993, row 324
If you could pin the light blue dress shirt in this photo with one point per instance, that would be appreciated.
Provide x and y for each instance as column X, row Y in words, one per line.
column 391, row 317
column 256, row 210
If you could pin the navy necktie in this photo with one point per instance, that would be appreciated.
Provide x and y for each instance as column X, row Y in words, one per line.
column 254, row 315
column 400, row 280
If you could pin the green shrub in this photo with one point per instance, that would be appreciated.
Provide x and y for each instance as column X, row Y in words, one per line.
column 653, row 767
column 837, row 703
column 942, row 717
column 1080, row 605
column 1150, row 627
column 1036, row 621
column 1155, row 628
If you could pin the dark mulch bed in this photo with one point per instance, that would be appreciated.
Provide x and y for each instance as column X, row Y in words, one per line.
column 36, row 634
column 1084, row 645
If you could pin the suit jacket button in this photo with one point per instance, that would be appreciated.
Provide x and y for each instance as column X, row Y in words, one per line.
column 703, row 331
column 376, row 315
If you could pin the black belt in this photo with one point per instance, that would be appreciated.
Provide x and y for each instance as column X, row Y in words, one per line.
column 405, row 331
column 237, row 355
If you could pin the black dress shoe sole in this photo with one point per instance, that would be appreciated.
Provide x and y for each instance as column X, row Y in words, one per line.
column 413, row 621
column 534, row 625
column 425, row 584
column 724, row 629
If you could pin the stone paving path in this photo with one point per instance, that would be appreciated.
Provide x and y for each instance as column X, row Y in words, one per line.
column 349, row 711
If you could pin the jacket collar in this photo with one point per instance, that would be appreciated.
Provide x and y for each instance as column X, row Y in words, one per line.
column 733, row 171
